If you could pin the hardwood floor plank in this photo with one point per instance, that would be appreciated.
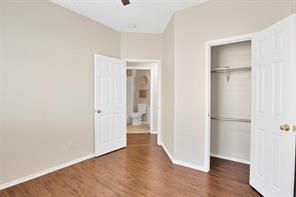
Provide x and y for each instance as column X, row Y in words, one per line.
column 141, row 169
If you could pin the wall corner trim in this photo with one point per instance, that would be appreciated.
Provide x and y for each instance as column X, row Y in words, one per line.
column 44, row 172
column 167, row 152
column 182, row 163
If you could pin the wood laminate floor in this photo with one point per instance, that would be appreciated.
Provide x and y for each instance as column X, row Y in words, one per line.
column 141, row 169
column 142, row 128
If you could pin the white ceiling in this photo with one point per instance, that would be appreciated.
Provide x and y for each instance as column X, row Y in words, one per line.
column 149, row 16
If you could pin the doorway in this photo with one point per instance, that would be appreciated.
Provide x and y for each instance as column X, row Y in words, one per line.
column 138, row 101
column 143, row 97
column 228, row 98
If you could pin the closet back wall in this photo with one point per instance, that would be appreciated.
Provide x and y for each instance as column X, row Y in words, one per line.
column 232, row 100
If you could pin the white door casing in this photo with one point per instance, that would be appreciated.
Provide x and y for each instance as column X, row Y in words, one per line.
column 130, row 97
column 110, row 104
column 273, row 105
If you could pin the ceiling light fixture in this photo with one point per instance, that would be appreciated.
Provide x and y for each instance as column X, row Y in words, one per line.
column 125, row 2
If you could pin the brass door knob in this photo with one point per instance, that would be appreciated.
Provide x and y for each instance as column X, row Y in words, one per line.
column 285, row 127
column 99, row 111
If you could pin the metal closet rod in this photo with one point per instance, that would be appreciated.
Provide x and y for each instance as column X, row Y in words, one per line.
column 231, row 119
column 241, row 68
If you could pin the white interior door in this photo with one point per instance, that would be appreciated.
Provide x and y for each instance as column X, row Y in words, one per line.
column 273, row 109
column 110, row 104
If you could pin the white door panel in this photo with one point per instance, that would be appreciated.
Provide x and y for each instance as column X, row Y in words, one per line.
column 110, row 90
column 273, row 105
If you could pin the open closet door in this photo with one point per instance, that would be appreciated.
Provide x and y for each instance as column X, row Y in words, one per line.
column 110, row 104
column 273, row 109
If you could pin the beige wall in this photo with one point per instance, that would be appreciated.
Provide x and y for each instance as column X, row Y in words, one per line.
column 293, row 6
column 48, row 95
column 141, row 46
column 48, row 77
column 1, row 89
column 168, row 87
column 194, row 26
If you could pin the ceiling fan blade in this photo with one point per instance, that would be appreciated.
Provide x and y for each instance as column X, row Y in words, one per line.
column 125, row 2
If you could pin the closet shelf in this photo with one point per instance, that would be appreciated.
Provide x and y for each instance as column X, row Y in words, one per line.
column 231, row 119
column 231, row 69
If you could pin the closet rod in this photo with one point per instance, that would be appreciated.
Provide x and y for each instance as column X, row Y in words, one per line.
column 230, row 119
column 242, row 68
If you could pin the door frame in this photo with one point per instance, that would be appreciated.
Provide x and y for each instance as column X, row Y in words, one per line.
column 207, row 113
column 159, row 111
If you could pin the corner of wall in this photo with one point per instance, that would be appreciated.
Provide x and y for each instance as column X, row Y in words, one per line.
column 293, row 7
column 1, row 89
column 168, row 85
column 135, row 45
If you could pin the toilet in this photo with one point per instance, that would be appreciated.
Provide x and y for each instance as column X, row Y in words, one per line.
column 137, row 116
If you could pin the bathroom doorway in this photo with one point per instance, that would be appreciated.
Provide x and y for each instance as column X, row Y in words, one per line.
column 138, row 86
column 143, row 98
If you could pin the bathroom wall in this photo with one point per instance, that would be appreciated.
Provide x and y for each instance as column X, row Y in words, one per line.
column 129, row 94
column 138, row 86
column 232, row 100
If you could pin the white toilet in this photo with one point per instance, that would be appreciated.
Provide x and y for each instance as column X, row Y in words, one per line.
column 137, row 116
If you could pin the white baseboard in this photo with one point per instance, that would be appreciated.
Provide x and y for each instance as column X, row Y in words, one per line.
column 190, row 165
column 44, row 172
column 153, row 132
column 182, row 163
column 69, row 163
column 230, row 158
column 167, row 152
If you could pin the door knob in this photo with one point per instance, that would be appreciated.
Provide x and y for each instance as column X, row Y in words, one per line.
column 285, row 127
column 99, row 111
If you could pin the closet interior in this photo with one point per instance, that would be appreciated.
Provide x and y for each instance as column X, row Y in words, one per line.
column 231, row 101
